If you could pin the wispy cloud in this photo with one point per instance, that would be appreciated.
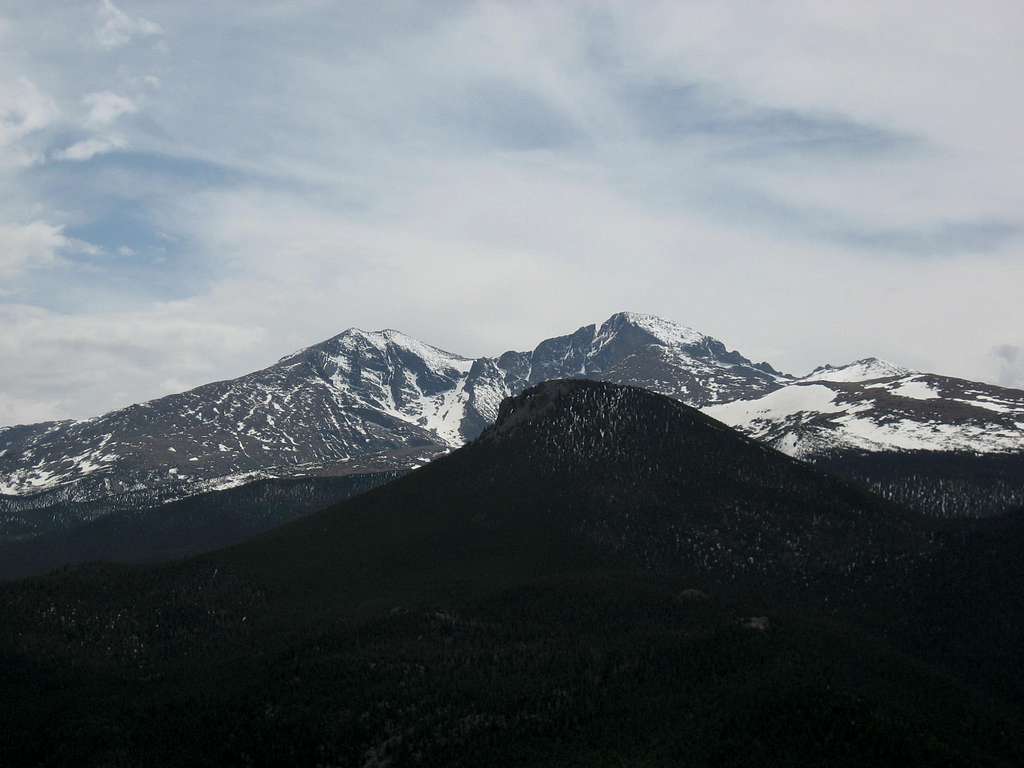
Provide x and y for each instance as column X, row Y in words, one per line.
column 24, row 110
column 756, row 211
column 28, row 246
column 87, row 149
column 503, row 115
column 106, row 107
column 678, row 112
column 114, row 27
column 1010, row 358
column 944, row 239
column 150, row 350
column 35, row 245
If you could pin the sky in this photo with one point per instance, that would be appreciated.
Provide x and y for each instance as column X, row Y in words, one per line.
column 191, row 190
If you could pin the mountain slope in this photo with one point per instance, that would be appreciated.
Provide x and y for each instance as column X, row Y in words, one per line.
column 356, row 402
column 599, row 579
column 869, row 406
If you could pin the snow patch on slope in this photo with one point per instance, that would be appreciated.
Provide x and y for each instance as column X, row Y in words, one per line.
column 442, row 414
column 803, row 419
column 912, row 435
column 916, row 389
column 780, row 404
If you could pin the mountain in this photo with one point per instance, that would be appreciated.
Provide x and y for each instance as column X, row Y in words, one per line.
column 945, row 446
column 645, row 351
column 358, row 402
column 382, row 401
column 355, row 402
column 868, row 369
column 604, row 577
column 584, row 470
column 871, row 405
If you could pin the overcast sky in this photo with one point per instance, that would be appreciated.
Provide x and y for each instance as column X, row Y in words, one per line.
column 190, row 190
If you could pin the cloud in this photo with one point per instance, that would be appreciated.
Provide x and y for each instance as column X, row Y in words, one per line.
column 808, row 182
column 24, row 110
column 29, row 246
column 506, row 116
column 106, row 107
column 35, row 246
column 28, row 410
column 941, row 240
column 1010, row 359
column 87, row 149
column 678, row 112
column 115, row 28
column 752, row 209
column 162, row 345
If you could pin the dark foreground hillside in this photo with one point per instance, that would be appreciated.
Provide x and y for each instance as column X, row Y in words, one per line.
column 153, row 532
column 938, row 484
column 606, row 577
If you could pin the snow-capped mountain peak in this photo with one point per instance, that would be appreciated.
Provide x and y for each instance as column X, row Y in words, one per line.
column 356, row 340
column 867, row 369
column 664, row 331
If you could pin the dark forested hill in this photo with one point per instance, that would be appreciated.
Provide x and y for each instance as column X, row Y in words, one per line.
column 936, row 483
column 176, row 529
column 604, row 577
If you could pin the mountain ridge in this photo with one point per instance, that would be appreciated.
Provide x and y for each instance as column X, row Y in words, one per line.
column 370, row 400
column 351, row 397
